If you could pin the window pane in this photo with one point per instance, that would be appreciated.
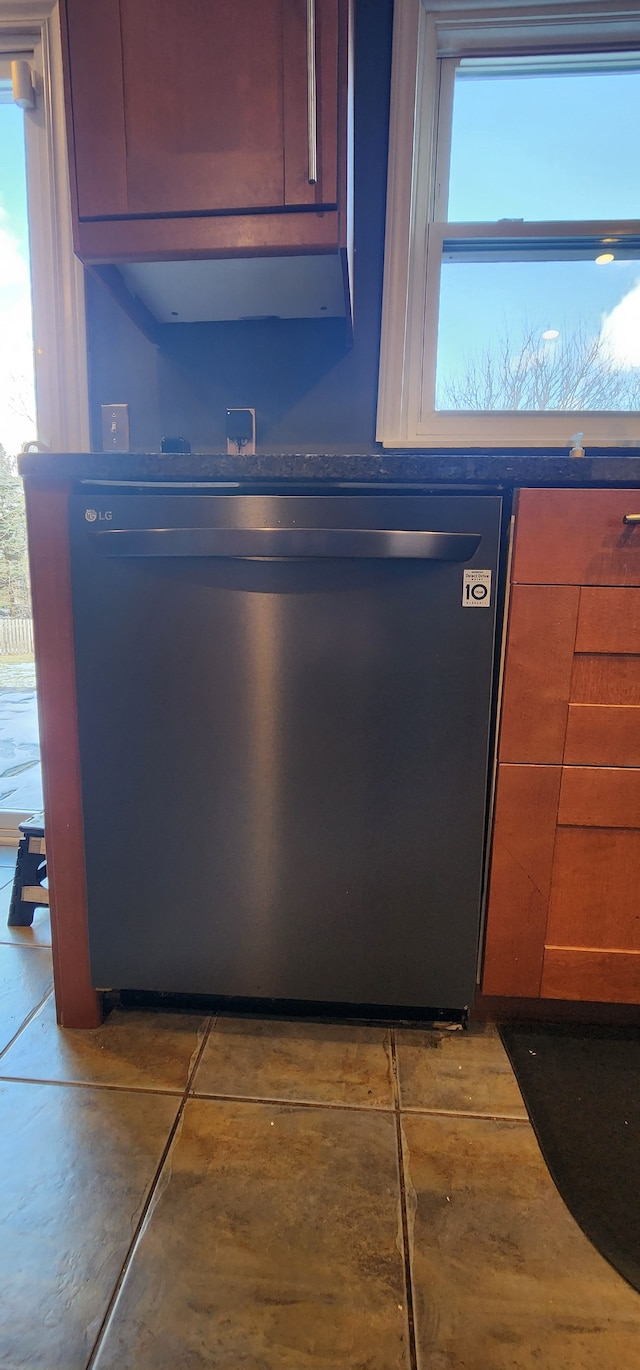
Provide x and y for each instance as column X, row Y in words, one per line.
column 20, row 776
column 17, row 405
column 551, row 145
column 539, row 335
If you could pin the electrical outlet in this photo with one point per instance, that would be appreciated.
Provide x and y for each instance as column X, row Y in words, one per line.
column 241, row 432
column 115, row 427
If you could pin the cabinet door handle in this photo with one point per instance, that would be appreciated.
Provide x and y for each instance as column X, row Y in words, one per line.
column 631, row 518
column 312, row 94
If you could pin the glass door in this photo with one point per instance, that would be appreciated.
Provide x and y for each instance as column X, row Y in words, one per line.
column 20, row 779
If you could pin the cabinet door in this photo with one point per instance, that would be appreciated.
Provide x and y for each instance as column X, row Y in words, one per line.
column 200, row 108
column 592, row 942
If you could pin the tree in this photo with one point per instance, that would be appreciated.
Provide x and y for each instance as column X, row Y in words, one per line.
column 20, row 397
column 573, row 371
column 14, row 566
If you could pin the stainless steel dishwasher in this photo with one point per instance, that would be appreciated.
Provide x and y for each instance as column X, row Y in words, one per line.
column 284, row 705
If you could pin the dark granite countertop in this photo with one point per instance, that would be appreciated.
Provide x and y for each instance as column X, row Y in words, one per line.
column 601, row 467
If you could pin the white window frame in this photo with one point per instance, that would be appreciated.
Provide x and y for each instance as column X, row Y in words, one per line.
column 57, row 277
column 426, row 34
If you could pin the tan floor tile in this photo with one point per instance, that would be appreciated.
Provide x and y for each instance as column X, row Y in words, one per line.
column 75, row 1165
column 25, row 977
column 134, row 1048
column 458, row 1072
column 264, row 1058
column 503, row 1277
column 37, row 935
column 273, row 1246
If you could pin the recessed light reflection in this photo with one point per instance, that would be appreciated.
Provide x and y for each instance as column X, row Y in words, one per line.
column 604, row 258
column 550, row 334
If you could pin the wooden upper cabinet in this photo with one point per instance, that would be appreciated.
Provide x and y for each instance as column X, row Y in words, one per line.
column 193, row 108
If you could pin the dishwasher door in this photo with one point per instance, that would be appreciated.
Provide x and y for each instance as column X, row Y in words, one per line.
column 284, row 706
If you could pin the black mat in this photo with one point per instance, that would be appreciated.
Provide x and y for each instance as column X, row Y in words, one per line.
column 581, row 1087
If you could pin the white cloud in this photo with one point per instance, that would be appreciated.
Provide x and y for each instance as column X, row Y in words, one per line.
column 13, row 268
column 17, row 405
column 620, row 329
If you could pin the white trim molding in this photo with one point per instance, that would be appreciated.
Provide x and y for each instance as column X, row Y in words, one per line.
column 429, row 37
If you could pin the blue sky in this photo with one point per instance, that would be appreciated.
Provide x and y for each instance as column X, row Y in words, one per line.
column 16, row 371
column 543, row 147
column 546, row 147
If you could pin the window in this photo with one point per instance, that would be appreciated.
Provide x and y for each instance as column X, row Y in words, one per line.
column 512, row 270
column 17, row 399
column 43, row 387
column 30, row 32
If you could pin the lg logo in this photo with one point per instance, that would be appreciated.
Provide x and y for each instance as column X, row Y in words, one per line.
column 92, row 514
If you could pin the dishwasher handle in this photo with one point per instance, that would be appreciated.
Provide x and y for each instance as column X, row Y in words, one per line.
column 284, row 543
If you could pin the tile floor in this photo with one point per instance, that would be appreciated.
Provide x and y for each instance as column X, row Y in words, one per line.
column 186, row 1193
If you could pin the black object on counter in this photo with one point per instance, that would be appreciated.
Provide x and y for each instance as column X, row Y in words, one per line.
column 179, row 445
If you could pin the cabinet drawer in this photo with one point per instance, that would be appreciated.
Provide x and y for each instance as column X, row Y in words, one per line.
column 600, row 797
column 594, row 889
column 577, row 537
column 611, row 977
column 602, row 679
column 602, row 735
column 609, row 621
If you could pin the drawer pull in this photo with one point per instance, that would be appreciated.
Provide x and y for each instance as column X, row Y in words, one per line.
column 631, row 518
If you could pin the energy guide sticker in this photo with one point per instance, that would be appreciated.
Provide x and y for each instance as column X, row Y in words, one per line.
column 476, row 589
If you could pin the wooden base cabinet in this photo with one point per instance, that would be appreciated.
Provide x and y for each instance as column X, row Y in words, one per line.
column 563, row 914
column 47, row 506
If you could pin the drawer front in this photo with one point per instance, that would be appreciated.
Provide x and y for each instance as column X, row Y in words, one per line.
column 600, row 797
column 600, row 679
column 609, row 621
column 602, row 735
column 577, row 537
column 594, row 889
column 592, row 941
column 608, row 977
